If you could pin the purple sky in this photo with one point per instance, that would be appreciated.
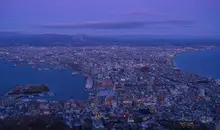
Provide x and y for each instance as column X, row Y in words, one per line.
column 153, row 17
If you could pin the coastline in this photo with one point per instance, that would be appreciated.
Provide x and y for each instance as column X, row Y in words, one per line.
column 56, row 90
column 173, row 63
column 173, row 88
column 175, row 66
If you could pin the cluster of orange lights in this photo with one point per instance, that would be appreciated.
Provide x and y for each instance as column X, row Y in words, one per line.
column 197, row 97
column 187, row 124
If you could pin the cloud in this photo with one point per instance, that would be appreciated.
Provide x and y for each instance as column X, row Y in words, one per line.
column 118, row 25
column 145, row 12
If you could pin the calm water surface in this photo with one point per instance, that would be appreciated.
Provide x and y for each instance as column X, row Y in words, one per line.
column 62, row 83
column 203, row 62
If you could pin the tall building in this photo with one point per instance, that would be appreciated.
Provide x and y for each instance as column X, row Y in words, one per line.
column 161, row 96
column 202, row 92
column 151, row 83
column 89, row 83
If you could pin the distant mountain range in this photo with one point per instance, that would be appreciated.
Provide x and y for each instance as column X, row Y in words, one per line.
column 15, row 38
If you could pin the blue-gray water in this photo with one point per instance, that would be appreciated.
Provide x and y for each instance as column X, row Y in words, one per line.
column 203, row 62
column 62, row 83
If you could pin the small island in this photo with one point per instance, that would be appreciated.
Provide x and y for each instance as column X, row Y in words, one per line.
column 25, row 90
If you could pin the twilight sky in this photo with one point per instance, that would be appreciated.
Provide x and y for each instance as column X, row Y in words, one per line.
column 151, row 17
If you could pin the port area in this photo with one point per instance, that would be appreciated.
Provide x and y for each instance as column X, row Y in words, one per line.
column 28, row 90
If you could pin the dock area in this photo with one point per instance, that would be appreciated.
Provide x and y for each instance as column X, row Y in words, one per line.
column 25, row 90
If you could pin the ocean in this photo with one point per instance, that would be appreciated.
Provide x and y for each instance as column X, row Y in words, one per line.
column 62, row 84
column 203, row 62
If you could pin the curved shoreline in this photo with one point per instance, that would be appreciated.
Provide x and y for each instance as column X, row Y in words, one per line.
column 174, row 64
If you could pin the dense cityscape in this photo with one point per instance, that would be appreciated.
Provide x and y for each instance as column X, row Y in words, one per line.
column 129, row 88
column 109, row 65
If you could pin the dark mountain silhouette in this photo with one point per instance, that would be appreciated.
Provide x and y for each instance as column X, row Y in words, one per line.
column 16, row 38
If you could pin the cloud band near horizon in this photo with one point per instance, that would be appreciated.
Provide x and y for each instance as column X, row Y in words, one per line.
column 118, row 25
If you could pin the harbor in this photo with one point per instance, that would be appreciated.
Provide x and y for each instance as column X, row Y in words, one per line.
column 62, row 84
column 28, row 90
